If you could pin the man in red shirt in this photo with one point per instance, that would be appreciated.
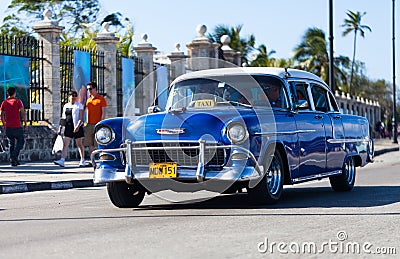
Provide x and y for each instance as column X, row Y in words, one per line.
column 10, row 111
column 96, row 111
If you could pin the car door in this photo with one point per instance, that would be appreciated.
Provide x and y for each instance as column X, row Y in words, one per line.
column 335, row 150
column 310, row 122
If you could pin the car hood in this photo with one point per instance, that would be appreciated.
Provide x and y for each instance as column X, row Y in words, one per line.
column 188, row 125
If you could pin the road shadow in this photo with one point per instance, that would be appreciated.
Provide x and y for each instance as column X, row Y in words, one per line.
column 305, row 197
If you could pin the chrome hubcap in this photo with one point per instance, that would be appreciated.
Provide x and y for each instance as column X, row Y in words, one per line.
column 350, row 170
column 274, row 176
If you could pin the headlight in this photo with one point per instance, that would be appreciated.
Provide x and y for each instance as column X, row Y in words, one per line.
column 104, row 135
column 237, row 133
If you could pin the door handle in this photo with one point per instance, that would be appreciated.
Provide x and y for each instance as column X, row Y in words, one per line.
column 337, row 117
column 318, row 117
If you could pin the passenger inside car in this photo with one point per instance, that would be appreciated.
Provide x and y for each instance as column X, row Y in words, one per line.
column 273, row 95
column 300, row 95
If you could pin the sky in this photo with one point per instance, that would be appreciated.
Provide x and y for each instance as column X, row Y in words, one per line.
column 279, row 25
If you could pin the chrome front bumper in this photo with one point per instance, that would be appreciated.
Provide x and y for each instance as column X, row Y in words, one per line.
column 235, row 171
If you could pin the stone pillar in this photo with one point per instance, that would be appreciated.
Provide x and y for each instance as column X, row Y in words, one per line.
column 202, row 52
column 107, row 43
column 178, row 62
column 49, row 33
column 144, row 94
column 230, row 55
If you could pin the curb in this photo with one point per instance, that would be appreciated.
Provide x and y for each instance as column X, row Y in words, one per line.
column 43, row 186
column 385, row 150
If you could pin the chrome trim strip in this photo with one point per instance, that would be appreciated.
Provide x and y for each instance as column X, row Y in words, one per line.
column 317, row 176
column 352, row 140
column 168, row 141
column 284, row 132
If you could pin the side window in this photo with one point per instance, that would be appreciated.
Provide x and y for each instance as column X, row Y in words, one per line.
column 333, row 102
column 320, row 98
column 299, row 93
column 274, row 91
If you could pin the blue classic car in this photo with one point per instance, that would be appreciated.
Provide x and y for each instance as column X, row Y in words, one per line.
column 229, row 129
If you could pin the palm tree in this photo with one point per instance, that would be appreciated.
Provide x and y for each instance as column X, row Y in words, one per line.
column 245, row 46
column 312, row 55
column 353, row 23
column 263, row 57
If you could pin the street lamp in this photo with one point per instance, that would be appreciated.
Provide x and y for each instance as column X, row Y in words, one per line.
column 394, row 80
column 331, row 72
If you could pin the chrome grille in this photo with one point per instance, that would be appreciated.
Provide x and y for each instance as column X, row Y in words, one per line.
column 185, row 155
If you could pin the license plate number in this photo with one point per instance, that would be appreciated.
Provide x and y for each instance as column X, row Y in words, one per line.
column 162, row 170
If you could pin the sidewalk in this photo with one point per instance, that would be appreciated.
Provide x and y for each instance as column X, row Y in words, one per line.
column 38, row 176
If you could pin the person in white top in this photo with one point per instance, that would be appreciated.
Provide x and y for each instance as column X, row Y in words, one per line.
column 72, row 121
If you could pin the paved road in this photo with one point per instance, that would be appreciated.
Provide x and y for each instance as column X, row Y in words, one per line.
column 82, row 223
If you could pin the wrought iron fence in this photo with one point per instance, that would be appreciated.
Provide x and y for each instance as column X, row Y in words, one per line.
column 28, row 47
column 138, row 73
column 67, row 70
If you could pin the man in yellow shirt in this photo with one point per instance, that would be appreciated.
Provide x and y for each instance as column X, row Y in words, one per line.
column 96, row 111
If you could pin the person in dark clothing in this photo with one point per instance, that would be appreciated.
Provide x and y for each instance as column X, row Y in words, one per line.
column 390, row 129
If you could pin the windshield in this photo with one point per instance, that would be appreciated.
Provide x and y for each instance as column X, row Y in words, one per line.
column 248, row 91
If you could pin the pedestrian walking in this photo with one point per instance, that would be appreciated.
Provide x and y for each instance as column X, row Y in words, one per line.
column 72, row 122
column 390, row 129
column 96, row 111
column 11, row 111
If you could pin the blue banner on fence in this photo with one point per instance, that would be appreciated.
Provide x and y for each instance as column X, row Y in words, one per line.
column 81, row 74
column 128, row 81
column 14, row 71
column 162, row 86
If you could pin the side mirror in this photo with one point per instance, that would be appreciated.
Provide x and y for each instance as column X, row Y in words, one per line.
column 302, row 105
column 153, row 109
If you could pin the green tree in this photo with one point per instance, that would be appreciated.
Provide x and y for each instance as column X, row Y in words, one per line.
column 70, row 14
column 125, row 45
column 353, row 24
column 244, row 45
column 312, row 55
column 381, row 91
column 263, row 57
column 90, row 31
column 282, row 62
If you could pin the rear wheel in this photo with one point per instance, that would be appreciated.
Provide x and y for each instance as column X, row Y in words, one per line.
column 269, row 189
column 124, row 195
column 345, row 181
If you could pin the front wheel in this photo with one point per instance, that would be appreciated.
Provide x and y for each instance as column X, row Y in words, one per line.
column 124, row 195
column 345, row 181
column 269, row 189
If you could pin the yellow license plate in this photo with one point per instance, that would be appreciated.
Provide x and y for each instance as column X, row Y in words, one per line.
column 163, row 170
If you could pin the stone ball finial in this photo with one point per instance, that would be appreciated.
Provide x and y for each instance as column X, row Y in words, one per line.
column 225, row 39
column 47, row 14
column 178, row 47
column 201, row 29
column 144, row 37
column 105, row 27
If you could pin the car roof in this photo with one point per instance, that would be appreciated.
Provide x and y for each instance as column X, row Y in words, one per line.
column 276, row 71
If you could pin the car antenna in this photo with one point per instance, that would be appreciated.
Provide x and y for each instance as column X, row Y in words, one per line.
column 287, row 74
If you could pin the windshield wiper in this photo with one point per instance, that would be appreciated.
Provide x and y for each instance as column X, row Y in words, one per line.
column 237, row 104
